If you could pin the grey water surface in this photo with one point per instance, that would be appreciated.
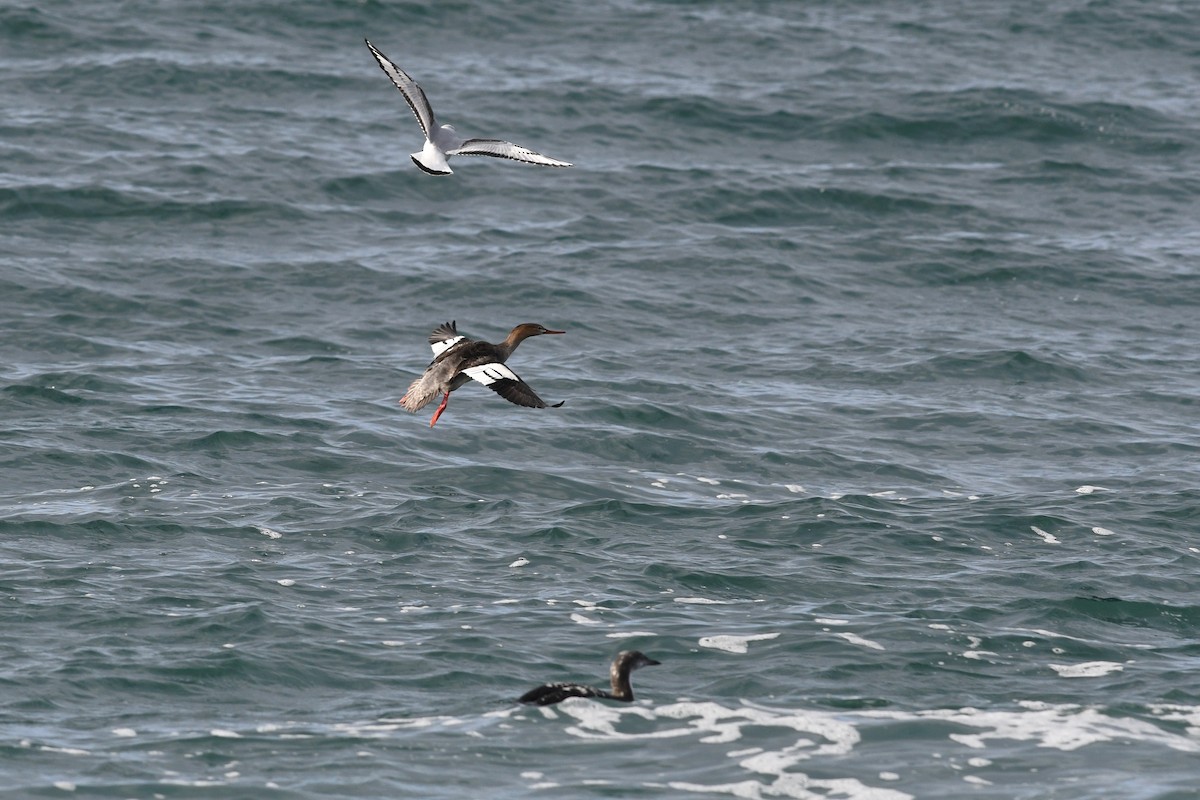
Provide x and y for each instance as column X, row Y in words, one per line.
column 881, row 375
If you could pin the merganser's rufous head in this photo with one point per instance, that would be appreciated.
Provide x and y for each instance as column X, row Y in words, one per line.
column 525, row 330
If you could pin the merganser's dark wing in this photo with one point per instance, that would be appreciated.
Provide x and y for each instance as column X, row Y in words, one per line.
column 553, row 693
column 444, row 337
column 506, row 383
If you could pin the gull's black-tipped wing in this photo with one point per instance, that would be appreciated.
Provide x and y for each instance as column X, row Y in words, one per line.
column 414, row 95
column 498, row 148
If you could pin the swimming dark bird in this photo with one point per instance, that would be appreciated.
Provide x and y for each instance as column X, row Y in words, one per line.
column 458, row 359
column 625, row 662
column 442, row 141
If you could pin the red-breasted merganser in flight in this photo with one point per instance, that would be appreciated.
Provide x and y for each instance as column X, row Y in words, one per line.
column 441, row 141
column 625, row 662
column 458, row 359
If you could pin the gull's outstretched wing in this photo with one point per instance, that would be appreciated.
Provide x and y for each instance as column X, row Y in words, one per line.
column 413, row 94
column 498, row 148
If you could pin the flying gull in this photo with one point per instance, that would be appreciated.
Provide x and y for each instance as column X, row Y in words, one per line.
column 441, row 141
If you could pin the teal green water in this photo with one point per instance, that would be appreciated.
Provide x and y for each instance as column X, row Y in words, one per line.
column 880, row 428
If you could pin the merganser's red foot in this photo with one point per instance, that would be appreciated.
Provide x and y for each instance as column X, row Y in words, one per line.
column 440, row 409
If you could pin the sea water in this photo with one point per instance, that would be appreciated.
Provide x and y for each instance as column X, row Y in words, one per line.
column 880, row 374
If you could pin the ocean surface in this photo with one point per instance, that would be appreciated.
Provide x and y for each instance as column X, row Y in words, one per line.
column 881, row 373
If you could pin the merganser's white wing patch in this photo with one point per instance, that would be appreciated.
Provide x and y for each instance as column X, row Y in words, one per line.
column 502, row 149
column 487, row 374
column 444, row 337
column 504, row 382
column 445, row 344
column 414, row 95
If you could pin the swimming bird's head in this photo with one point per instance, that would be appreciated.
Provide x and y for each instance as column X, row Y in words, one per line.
column 626, row 662
column 629, row 660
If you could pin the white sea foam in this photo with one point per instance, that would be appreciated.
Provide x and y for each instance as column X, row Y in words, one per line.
column 1088, row 669
column 772, row 763
column 1048, row 538
column 734, row 644
column 1061, row 727
column 796, row 784
column 66, row 751
column 1190, row 715
column 854, row 638
column 771, row 772
column 580, row 619
column 1054, row 635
